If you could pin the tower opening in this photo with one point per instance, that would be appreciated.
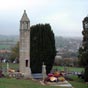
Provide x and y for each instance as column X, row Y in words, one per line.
column 26, row 63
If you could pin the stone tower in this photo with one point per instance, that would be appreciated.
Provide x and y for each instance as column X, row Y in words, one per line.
column 24, row 44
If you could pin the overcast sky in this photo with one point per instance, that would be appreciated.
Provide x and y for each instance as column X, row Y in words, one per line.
column 64, row 16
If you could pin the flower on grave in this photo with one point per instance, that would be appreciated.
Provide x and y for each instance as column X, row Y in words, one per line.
column 61, row 78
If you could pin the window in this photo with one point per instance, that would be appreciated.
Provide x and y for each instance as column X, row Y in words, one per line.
column 26, row 63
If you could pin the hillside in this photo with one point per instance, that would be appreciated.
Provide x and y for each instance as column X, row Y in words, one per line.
column 61, row 42
column 7, row 42
column 68, row 42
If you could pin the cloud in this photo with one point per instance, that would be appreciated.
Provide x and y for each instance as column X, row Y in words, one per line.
column 21, row 4
column 63, row 15
column 63, row 19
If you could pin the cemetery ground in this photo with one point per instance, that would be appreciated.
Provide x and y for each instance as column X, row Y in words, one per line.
column 24, row 83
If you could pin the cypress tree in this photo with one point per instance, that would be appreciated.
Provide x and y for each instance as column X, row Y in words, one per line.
column 83, row 51
column 42, row 47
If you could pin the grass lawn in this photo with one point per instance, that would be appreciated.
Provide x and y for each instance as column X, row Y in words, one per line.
column 11, row 65
column 15, row 66
column 21, row 83
column 5, row 46
column 14, row 83
column 78, row 82
column 75, row 69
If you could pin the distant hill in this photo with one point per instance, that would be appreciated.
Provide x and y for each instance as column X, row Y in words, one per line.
column 60, row 42
column 7, row 42
column 8, row 37
column 67, row 41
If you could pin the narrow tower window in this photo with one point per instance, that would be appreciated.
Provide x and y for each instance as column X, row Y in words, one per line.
column 26, row 63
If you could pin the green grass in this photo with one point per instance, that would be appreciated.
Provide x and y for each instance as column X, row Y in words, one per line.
column 11, row 65
column 14, row 83
column 76, row 69
column 78, row 84
column 16, row 66
column 21, row 83
column 5, row 46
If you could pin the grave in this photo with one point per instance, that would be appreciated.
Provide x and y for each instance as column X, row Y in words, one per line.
column 62, row 84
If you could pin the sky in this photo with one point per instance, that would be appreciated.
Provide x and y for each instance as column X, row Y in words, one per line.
column 64, row 16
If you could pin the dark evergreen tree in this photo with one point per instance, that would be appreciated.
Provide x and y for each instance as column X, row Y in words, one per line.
column 86, row 74
column 83, row 51
column 42, row 47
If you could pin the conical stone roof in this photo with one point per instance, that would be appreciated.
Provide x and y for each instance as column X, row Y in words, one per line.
column 24, row 17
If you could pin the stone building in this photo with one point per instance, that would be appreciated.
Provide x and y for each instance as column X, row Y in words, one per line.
column 24, row 44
